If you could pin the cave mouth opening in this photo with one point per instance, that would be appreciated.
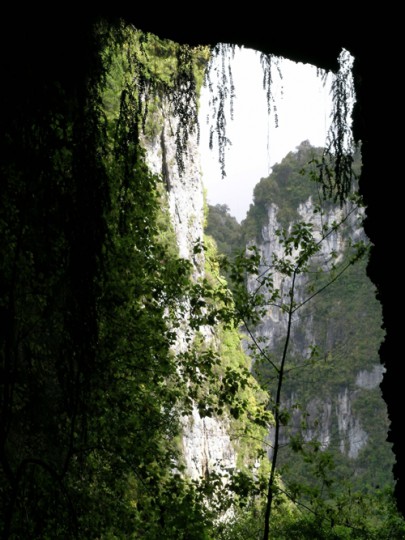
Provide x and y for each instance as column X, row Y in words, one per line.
column 232, row 193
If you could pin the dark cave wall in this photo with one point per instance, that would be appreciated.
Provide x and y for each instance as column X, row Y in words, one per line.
column 50, row 53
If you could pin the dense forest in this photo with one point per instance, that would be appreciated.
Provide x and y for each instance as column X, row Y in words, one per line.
column 94, row 300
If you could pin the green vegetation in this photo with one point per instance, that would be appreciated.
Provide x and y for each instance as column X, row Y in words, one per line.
column 94, row 297
column 224, row 228
column 291, row 182
column 286, row 187
column 344, row 323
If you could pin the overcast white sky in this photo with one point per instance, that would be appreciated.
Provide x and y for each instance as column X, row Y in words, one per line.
column 303, row 104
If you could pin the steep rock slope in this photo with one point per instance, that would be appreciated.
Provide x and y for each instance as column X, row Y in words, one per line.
column 331, row 386
column 206, row 440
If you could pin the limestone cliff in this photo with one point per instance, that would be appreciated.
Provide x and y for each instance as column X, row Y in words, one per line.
column 206, row 441
column 331, row 386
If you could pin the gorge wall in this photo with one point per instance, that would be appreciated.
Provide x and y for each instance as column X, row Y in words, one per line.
column 331, row 388
column 206, row 442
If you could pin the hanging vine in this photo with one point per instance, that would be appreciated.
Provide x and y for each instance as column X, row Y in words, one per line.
column 222, row 92
column 160, row 71
column 268, row 62
column 335, row 170
column 336, row 174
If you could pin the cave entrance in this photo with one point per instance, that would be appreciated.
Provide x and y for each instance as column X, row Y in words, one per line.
column 345, row 322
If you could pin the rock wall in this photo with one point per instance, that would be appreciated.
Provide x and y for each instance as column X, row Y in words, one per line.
column 206, row 442
column 329, row 409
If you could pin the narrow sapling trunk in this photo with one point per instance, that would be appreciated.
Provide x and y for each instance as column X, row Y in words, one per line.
column 277, row 419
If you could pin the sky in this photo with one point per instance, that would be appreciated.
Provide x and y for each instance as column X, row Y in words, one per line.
column 303, row 104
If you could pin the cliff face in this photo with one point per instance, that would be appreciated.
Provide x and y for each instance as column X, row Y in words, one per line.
column 331, row 387
column 184, row 191
column 206, row 441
